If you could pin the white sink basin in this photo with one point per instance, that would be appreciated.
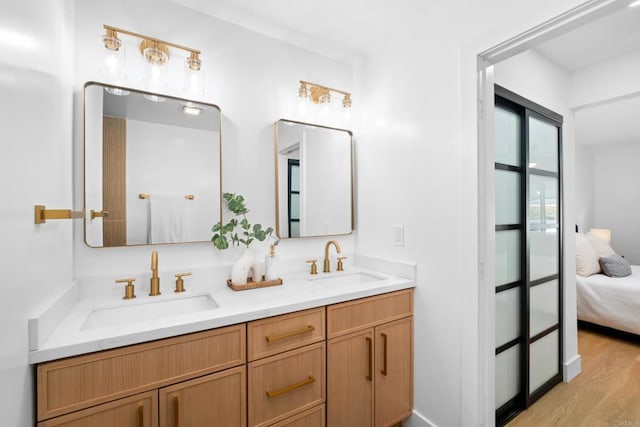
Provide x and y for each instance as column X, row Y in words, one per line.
column 136, row 311
column 345, row 279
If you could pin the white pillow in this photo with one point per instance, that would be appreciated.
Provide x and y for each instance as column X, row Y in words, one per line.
column 602, row 247
column 586, row 257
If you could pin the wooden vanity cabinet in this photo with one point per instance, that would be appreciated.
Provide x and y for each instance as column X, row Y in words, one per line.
column 347, row 364
column 370, row 361
column 92, row 389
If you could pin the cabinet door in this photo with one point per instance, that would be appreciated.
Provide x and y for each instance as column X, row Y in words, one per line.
column 393, row 372
column 216, row 399
column 140, row 410
column 350, row 364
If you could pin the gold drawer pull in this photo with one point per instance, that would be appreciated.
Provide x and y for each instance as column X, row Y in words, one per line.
column 176, row 411
column 306, row 330
column 141, row 416
column 384, row 352
column 287, row 389
column 370, row 372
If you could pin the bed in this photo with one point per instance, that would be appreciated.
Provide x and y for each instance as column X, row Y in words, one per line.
column 613, row 302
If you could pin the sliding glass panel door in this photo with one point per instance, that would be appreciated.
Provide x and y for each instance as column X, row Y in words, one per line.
column 527, row 252
column 509, row 268
column 545, row 258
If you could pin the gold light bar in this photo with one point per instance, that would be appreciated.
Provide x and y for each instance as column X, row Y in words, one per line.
column 320, row 94
column 194, row 57
column 42, row 214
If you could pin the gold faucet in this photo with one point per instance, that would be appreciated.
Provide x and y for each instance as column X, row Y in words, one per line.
column 155, row 280
column 327, row 265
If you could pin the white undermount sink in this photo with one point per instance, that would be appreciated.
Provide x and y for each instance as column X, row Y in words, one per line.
column 148, row 309
column 345, row 279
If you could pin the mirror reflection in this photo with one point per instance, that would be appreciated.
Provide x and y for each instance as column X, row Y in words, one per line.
column 314, row 184
column 152, row 168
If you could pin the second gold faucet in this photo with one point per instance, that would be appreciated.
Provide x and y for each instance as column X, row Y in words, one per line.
column 327, row 263
column 155, row 280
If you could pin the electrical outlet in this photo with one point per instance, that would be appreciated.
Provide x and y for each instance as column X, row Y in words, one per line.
column 398, row 235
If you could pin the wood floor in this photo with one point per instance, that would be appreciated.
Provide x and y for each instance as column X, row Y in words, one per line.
column 606, row 393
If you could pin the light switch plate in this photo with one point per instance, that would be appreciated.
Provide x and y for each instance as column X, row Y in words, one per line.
column 398, row 235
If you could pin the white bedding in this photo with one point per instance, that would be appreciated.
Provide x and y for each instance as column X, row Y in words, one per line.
column 610, row 301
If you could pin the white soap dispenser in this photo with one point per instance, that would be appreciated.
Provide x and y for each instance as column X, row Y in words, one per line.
column 271, row 262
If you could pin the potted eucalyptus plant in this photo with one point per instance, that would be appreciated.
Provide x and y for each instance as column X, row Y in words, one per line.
column 238, row 232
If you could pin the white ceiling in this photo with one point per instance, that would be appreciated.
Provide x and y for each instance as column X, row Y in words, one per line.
column 614, row 123
column 339, row 29
column 614, row 35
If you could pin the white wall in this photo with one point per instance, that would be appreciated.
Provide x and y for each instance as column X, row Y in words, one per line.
column 607, row 196
column 35, row 168
column 254, row 80
column 617, row 197
column 585, row 187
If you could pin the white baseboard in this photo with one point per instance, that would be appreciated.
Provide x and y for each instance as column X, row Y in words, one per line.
column 417, row 420
column 572, row 368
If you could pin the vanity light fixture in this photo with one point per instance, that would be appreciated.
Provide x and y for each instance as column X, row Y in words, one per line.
column 156, row 53
column 113, row 61
column 319, row 94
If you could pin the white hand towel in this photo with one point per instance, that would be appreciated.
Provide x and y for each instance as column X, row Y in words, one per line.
column 168, row 219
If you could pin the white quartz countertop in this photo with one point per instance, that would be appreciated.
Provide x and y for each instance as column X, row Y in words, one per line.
column 71, row 336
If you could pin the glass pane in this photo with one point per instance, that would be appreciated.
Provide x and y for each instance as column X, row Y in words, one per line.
column 507, row 137
column 543, row 311
column 295, row 229
column 507, row 316
column 543, row 252
column 294, row 213
column 507, row 267
column 543, row 362
column 507, row 375
column 507, row 197
column 543, row 202
column 543, row 145
column 295, row 178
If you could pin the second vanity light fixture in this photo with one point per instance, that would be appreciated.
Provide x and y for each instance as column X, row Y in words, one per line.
column 319, row 94
column 156, row 54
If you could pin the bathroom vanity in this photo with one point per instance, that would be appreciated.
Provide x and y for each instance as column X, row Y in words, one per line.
column 330, row 350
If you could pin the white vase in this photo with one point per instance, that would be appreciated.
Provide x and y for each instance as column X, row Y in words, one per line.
column 240, row 269
column 257, row 270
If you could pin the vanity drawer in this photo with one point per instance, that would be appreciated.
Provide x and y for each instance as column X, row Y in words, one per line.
column 274, row 335
column 314, row 417
column 351, row 316
column 282, row 385
column 79, row 382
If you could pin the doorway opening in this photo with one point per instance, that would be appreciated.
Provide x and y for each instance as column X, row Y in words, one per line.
column 488, row 76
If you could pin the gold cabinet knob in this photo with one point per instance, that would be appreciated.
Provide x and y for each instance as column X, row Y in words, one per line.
column 314, row 267
column 180, row 282
column 129, row 291
column 340, row 265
